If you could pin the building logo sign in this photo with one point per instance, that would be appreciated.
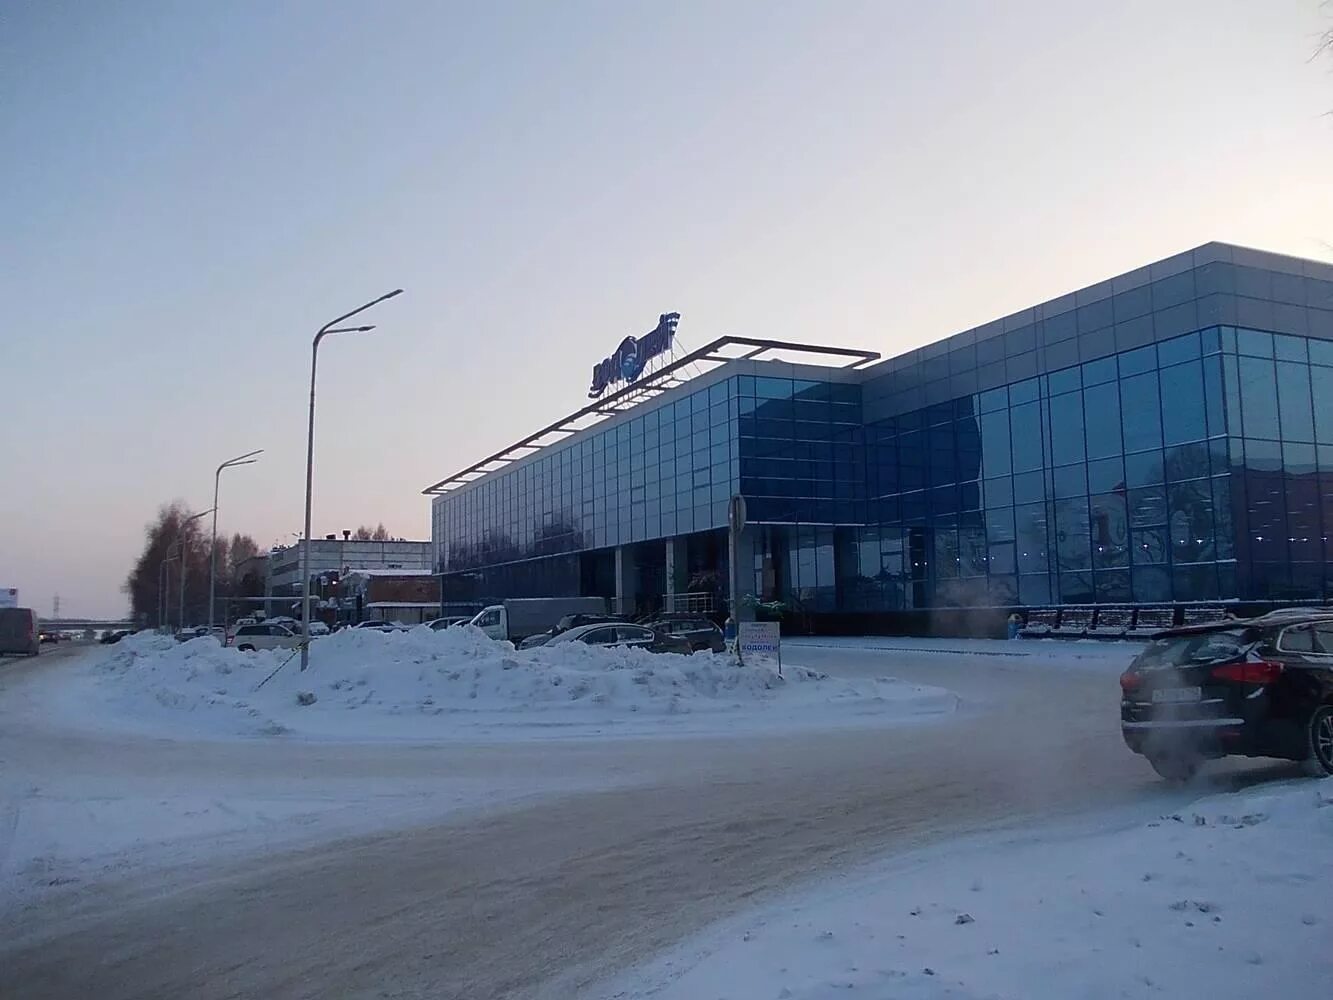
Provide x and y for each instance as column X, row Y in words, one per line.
column 633, row 355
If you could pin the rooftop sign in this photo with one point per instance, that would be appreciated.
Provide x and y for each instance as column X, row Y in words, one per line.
column 633, row 355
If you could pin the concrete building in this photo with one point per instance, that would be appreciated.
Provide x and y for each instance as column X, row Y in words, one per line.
column 1163, row 436
column 339, row 556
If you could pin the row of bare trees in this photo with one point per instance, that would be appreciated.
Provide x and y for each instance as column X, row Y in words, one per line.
column 172, row 539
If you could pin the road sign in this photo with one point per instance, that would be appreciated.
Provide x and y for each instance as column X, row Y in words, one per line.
column 9, row 597
column 761, row 639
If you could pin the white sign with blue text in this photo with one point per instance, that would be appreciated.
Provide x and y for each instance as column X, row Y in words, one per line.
column 761, row 639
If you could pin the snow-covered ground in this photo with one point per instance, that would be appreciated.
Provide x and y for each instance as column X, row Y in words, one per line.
column 458, row 684
column 1227, row 898
column 233, row 761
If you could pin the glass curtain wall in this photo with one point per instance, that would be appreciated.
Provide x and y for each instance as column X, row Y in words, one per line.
column 666, row 471
column 802, row 471
column 1195, row 469
column 1198, row 468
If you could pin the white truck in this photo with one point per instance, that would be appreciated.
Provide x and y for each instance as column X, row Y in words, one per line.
column 521, row 617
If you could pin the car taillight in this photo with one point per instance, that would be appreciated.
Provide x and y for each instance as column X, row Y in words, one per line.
column 1257, row 672
column 1130, row 680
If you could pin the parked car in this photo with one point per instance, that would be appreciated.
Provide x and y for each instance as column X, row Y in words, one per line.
column 19, row 632
column 380, row 625
column 564, row 625
column 198, row 631
column 111, row 637
column 1259, row 687
column 266, row 636
column 317, row 628
column 623, row 634
column 449, row 621
column 700, row 632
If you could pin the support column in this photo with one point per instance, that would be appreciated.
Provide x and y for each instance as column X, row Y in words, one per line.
column 671, row 586
column 627, row 580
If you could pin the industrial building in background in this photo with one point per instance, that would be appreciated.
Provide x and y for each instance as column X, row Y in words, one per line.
column 1164, row 436
column 335, row 555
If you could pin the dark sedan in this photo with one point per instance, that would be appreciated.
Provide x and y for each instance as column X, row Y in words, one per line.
column 699, row 632
column 622, row 634
column 1261, row 687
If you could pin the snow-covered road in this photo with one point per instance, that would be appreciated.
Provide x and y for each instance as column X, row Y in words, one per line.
column 1225, row 899
column 530, row 868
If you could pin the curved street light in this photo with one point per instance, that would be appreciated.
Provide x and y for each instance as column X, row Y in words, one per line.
column 247, row 459
column 328, row 328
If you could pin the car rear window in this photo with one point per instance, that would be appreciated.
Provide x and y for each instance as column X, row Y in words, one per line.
column 1187, row 650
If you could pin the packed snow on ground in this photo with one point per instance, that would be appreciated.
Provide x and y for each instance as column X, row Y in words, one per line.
column 457, row 682
column 1228, row 898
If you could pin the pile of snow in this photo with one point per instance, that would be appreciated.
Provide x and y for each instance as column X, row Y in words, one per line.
column 426, row 683
column 1228, row 898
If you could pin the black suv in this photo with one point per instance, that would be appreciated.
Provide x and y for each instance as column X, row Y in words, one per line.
column 699, row 631
column 1259, row 687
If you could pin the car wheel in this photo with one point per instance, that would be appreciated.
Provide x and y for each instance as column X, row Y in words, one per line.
column 1320, row 736
column 1177, row 767
column 246, row 648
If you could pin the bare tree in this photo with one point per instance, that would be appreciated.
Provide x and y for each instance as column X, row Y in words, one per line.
column 240, row 550
column 170, row 536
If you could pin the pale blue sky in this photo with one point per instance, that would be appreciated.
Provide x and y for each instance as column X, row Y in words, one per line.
column 192, row 189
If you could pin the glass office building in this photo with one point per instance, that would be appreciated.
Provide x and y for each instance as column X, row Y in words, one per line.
column 1165, row 436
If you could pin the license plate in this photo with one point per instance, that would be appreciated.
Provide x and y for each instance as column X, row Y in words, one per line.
column 1172, row 696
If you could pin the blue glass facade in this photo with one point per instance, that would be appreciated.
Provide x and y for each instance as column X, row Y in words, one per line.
column 1163, row 436
column 667, row 470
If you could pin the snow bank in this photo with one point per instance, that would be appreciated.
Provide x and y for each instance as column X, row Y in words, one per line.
column 371, row 684
column 1226, row 899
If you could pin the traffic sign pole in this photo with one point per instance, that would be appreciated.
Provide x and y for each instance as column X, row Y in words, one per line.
column 735, row 525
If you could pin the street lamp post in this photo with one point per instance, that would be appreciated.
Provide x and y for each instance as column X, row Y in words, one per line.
column 162, row 591
column 180, row 551
column 247, row 459
column 328, row 328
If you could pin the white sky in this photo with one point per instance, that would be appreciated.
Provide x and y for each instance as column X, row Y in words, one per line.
column 191, row 191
